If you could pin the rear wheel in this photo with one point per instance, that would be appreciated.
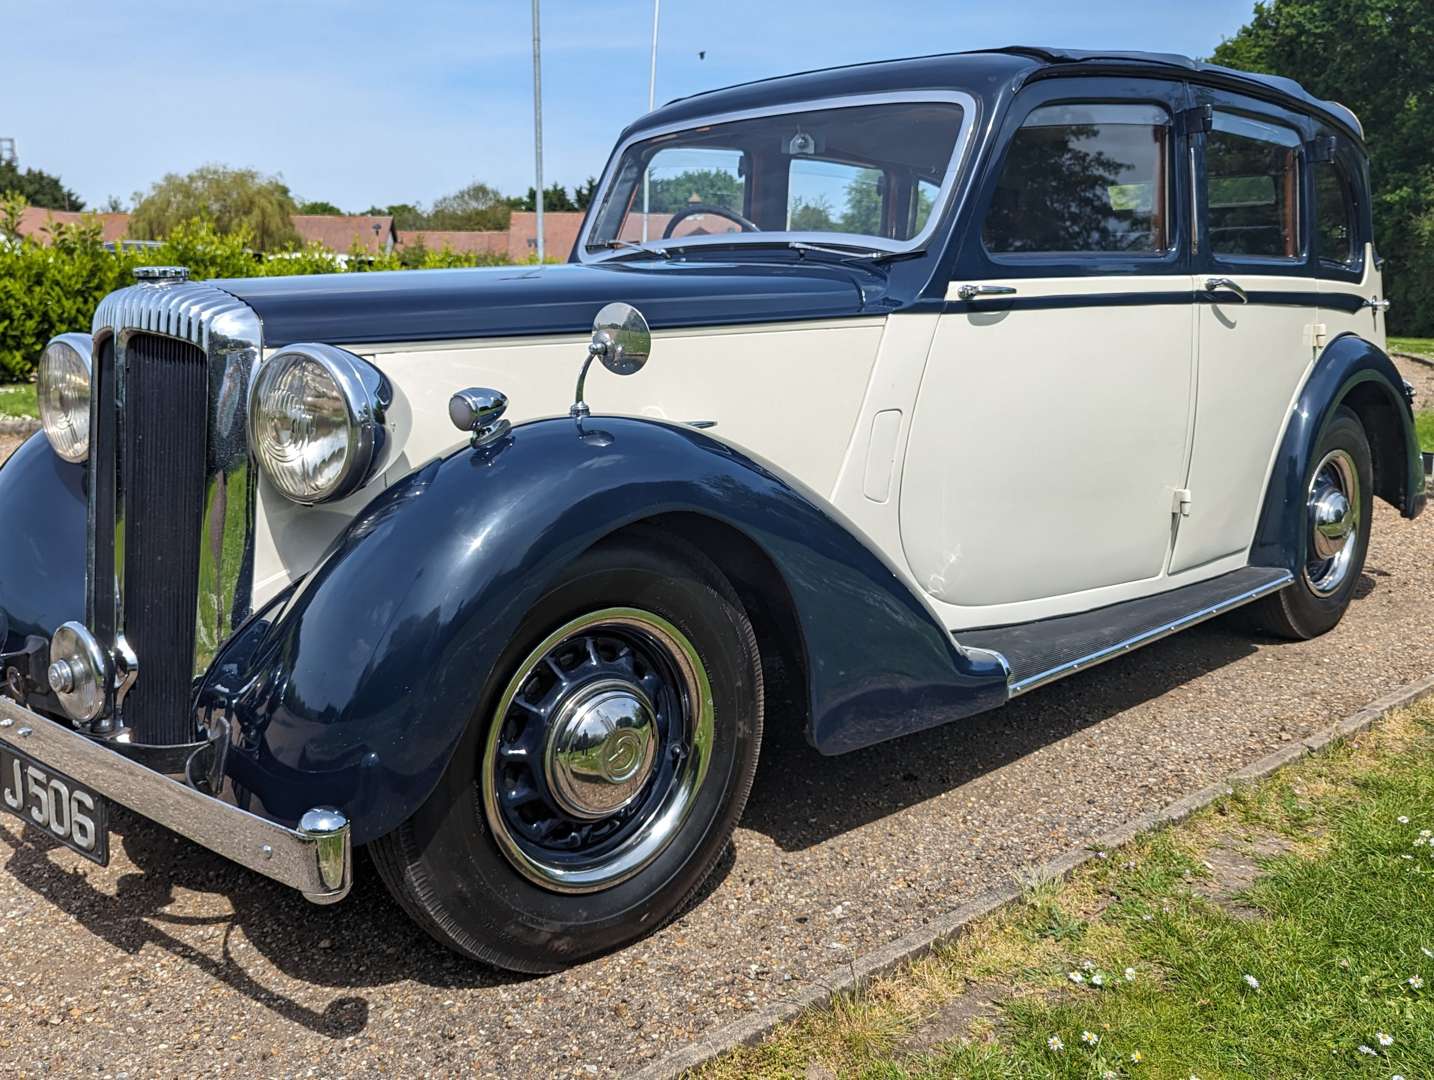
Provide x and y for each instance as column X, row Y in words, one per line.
column 600, row 781
column 1337, row 510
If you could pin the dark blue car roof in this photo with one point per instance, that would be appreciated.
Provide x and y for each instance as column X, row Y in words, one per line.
column 987, row 72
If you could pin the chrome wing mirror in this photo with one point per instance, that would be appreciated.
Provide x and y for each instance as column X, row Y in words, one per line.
column 622, row 340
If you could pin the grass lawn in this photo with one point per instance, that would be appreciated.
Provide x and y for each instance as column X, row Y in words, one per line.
column 1416, row 346
column 18, row 399
column 1424, row 425
column 1287, row 931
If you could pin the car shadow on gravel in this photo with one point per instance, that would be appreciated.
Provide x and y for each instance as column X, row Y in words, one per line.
column 364, row 942
column 801, row 798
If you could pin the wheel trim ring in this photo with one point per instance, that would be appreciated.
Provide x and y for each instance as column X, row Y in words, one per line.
column 1336, row 471
column 648, row 841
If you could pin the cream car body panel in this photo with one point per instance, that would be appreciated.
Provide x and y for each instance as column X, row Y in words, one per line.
column 811, row 378
column 1081, row 415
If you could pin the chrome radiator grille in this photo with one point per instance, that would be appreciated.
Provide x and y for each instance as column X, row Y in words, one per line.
column 164, row 435
column 171, row 497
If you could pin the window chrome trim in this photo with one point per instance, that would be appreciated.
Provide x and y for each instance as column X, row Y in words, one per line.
column 959, row 153
column 229, row 333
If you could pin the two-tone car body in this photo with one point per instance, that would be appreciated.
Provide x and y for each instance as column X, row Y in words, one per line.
column 967, row 372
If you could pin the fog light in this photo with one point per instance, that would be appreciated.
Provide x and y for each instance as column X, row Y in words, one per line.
column 77, row 671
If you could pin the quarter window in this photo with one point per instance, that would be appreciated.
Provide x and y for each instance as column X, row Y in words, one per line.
column 1336, row 223
column 1085, row 178
column 1252, row 188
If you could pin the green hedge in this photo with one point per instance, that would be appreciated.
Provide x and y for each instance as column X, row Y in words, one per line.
column 50, row 289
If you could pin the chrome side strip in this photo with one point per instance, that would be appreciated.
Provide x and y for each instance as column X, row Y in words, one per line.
column 1030, row 682
column 316, row 858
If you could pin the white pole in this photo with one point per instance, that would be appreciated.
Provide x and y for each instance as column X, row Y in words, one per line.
column 538, row 126
column 651, row 99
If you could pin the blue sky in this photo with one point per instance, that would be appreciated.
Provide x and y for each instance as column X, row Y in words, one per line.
column 362, row 102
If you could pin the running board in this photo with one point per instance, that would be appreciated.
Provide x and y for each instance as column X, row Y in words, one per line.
column 1042, row 652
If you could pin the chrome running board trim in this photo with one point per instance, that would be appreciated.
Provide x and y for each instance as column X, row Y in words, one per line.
column 1120, row 648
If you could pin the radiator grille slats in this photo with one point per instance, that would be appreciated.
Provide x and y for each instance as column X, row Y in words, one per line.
column 162, row 473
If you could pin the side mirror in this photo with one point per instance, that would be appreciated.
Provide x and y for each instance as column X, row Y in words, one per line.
column 622, row 340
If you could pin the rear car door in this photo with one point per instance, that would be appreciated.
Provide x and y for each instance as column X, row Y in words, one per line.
column 1051, row 426
column 1256, row 314
column 1350, row 286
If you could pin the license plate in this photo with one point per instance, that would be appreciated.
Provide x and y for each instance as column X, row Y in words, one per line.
column 54, row 803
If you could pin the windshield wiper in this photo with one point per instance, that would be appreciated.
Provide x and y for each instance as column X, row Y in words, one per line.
column 634, row 246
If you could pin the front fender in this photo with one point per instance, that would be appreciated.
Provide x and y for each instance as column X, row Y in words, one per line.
column 354, row 690
column 1350, row 371
column 42, row 541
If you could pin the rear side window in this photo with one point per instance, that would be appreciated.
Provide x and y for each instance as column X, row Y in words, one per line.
column 1085, row 179
column 1336, row 213
column 1252, row 171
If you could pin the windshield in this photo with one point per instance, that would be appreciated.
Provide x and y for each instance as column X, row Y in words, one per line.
column 870, row 174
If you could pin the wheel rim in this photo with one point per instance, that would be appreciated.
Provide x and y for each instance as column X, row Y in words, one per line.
column 599, row 746
column 1333, row 512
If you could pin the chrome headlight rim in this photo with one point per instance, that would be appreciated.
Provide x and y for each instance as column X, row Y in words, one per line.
column 78, row 351
column 366, row 394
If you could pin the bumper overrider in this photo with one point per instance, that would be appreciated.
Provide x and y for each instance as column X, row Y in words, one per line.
column 316, row 858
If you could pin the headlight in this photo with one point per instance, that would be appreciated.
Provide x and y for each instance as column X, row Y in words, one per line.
column 64, row 393
column 316, row 421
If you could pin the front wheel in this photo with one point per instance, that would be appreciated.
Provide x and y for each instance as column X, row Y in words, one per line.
column 601, row 779
column 1339, row 502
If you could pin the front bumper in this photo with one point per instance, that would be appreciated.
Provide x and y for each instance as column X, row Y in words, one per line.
column 316, row 858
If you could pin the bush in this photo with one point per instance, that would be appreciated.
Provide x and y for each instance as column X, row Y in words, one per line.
column 50, row 289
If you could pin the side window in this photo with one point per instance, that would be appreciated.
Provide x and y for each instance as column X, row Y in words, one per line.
column 1085, row 178
column 1336, row 213
column 1252, row 173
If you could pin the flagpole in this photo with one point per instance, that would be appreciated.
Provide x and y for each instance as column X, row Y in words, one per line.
column 538, row 127
column 651, row 100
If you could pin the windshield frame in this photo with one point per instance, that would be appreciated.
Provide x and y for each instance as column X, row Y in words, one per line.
column 959, row 152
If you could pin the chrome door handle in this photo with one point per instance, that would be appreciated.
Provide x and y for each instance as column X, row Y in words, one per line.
column 970, row 292
column 1377, row 303
column 1224, row 284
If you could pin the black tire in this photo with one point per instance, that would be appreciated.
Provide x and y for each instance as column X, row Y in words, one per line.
column 448, row 869
column 1302, row 611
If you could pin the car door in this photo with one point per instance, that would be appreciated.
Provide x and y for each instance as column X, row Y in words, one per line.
column 1255, row 321
column 1050, row 430
column 1349, row 283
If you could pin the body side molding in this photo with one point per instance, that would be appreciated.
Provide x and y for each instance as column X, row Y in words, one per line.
column 354, row 689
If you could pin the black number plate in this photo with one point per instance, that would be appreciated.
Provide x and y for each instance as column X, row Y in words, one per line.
column 55, row 804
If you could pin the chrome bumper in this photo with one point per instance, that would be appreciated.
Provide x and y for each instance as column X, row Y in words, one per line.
column 316, row 858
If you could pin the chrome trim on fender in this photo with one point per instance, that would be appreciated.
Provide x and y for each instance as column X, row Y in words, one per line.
column 229, row 333
column 1100, row 656
column 316, row 858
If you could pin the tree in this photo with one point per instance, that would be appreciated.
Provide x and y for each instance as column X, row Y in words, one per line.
column 1377, row 57
column 476, row 206
column 230, row 200
column 812, row 215
column 405, row 215
column 39, row 188
column 584, row 192
column 715, row 187
column 319, row 206
column 555, row 197
column 863, row 204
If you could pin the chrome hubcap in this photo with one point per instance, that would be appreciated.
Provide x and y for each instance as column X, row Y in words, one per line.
column 1333, row 508
column 599, row 747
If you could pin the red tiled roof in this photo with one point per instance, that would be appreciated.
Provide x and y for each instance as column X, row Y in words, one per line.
column 560, row 233
column 339, row 232
column 35, row 222
column 491, row 242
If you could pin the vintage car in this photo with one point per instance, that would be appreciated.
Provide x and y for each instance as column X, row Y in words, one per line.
column 967, row 373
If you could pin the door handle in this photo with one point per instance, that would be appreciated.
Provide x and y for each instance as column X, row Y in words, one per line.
column 1377, row 303
column 971, row 292
column 1224, row 284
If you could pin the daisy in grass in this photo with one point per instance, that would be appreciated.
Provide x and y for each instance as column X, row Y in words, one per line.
column 1090, row 1038
column 1054, row 1044
column 1416, row 983
column 1384, row 1040
column 1252, row 982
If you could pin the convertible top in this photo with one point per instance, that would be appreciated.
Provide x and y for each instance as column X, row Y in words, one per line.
column 987, row 71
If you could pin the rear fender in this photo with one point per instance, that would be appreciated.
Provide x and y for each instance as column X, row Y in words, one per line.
column 1353, row 372
column 354, row 689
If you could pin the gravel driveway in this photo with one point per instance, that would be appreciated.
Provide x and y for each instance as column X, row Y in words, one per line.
column 174, row 962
